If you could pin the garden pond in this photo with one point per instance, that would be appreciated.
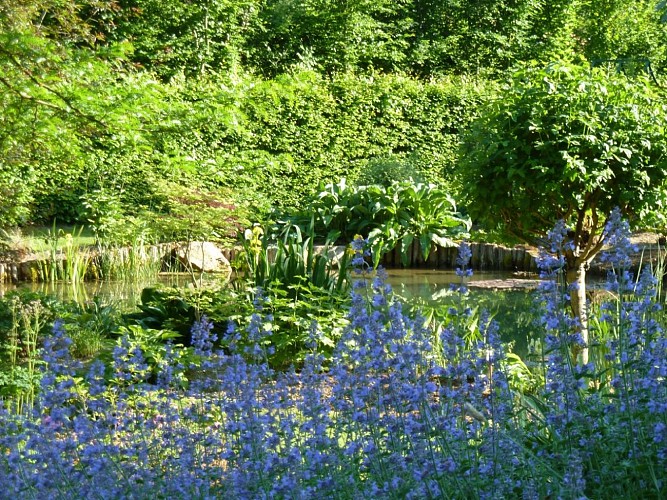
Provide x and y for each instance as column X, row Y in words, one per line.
column 506, row 297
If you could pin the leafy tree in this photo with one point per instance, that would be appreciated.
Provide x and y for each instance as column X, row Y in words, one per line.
column 172, row 36
column 37, row 111
column 331, row 37
column 623, row 30
column 72, row 118
column 485, row 35
column 568, row 142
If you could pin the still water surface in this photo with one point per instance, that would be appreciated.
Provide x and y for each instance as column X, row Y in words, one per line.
column 126, row 294
column 507, row 299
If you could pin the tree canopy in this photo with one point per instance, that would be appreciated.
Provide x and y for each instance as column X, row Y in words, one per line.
column 566, row 141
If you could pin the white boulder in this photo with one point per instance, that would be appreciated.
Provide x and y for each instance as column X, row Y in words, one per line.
column 203, row 256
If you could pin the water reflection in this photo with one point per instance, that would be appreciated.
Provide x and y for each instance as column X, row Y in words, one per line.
column 126, row 294
column 508, row 298
column 512, row 308
column 435, row 285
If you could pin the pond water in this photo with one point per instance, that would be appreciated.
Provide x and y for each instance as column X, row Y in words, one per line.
column 504, row 296
column 508, row 298
column 124, row 293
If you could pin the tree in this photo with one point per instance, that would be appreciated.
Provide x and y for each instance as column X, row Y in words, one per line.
column 332, row 37
column 486, row 36
column 626, row 30
column 567, row 142
column 72, row 119
column 195, row 37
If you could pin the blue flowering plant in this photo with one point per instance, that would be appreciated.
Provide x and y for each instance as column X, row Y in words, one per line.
column 392, row 414
column 613, row 406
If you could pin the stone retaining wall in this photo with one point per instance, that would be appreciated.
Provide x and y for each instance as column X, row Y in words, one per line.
column 28, row 268
column 485, row 257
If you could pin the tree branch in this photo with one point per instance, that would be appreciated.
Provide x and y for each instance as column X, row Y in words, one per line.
column 68, row 102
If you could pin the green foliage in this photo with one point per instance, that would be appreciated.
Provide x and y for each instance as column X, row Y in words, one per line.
column 285, row 277
column 293, row 310
column 34, row 133
column 299, row 286
column 570, row 142
column 25, row 321
column 73, row 121
column 282, row 138
column 265, row 99
column 418, row 122
column 291, row 120
column 332, row 37
column 484, row 36
column 662, row 9
column 103, row 213
column 191, row 214
column 152, row 344
column 170, row 37
column 390, row 217
column 622, row 29
column 91, row 325
column 291, row 262
column 116, row 135
column 419, row 37
column 387, row 169
column 168, row 310
column 20, row 360
column 68, row 261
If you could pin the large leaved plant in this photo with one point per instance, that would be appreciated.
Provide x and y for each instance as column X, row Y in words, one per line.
column 389, row 216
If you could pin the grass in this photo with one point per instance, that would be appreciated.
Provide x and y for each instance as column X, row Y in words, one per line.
column 73, row 254
column 39, row 238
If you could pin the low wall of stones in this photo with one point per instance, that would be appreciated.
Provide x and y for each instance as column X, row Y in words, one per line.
column 485, row 257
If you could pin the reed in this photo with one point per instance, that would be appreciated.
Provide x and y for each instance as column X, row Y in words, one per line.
column 20, row 375
column 136, row 262
column 66, row 258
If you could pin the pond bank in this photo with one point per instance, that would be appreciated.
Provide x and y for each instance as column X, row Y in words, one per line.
column 519, row 258
column 485, row 257
column 20, row 268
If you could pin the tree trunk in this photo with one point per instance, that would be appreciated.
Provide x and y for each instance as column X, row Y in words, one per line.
column 576, row 280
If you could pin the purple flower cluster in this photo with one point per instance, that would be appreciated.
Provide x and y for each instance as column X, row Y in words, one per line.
column 606, row 417
column 398, row 412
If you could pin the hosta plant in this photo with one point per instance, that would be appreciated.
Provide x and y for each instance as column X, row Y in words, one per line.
column 389, row 216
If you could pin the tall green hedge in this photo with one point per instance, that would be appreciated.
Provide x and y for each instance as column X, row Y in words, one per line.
column 283, row 137
column 271, row 142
